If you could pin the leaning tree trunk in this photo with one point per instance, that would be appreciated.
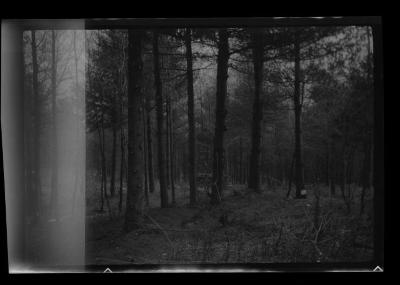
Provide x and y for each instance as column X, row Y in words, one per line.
column 220, row 114
column 192, row 129
column 297, row 114
column 160, row 122
column 54, row 163
column 254, row 174
column 134, row 197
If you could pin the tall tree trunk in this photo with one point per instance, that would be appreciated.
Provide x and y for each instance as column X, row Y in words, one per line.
column 104, row 163
column 365, row 174
column 192, row 128
column 145, row 172
column 28, row 155
column 344, row 164
column 122, row 163
column 36, row 131
column 134, row 197
column 368, row 163
column 254, row 175
column 327, row 163
column 160, row 122
column 149, row 147
column 297, row 113
column 241, row 176
column 78, row 154
column 167, row 148
column 291, row 175
column 54, row 163
column 171, row 152
column 220, row 114
column 101, row 170
column 332, row 171
column 103, row 152
column 343, row 179
column 114, row 149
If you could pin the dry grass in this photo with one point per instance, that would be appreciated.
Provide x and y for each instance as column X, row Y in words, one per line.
column 247, row 227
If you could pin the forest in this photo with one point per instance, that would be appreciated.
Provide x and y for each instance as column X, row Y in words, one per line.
column 201, row 145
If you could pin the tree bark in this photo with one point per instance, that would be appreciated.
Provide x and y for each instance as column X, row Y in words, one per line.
column 149, row 147
column 366, row 174
column 122, row 163
column 368, row 163
column 167, row 142
column 54, row 163
column 297, row 111
column 160, row 122
column 145, row 171
column 114, row 150
column 102, row 169
column 192, row 128
column 254, row 174
column 241, row 175
column 220, row 114
column 291, row 175
column 332, row 173
column 36, row 131
column 134, row 197
column 327, row 163
column 171, row 152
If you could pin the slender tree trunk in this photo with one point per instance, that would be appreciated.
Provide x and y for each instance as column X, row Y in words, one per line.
column 121, row 175
column 134, row 197
column 104, row 164
column 54, row 175
column 36, row 130
column 171, row 152
column 160, row 122
column 145, row 171
column 103, row 153
column 78, row 154
column 365, row 174
column 192, row 128
column 368, row 163
column 102, row 186
column 149, row 147
column 241, row 176
column 350, row 166
column 220, row 114
column 343, row 181
column 167, row 148
column 297, row 111
column 254, row 175
column 114, row 151
column 291, row 175
column 27, row 138
column 332, row 171
column 327, row 167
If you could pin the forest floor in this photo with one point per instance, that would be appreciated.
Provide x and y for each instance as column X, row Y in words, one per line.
column 245, row 228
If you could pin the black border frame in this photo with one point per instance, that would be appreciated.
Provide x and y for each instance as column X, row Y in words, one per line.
column 379, row 198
